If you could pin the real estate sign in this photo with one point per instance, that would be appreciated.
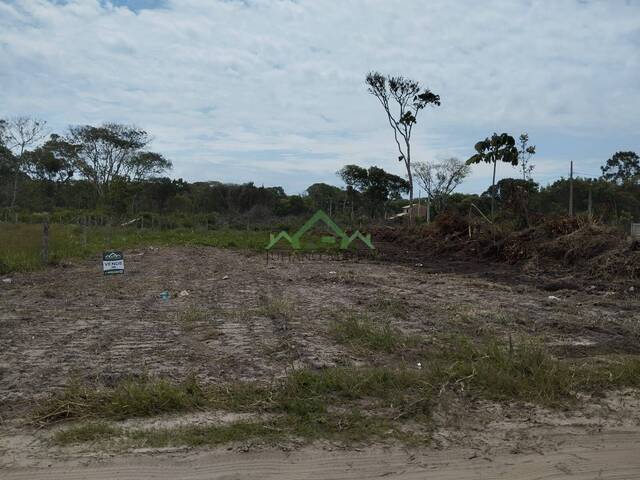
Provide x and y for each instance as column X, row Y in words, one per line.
column 112, row 262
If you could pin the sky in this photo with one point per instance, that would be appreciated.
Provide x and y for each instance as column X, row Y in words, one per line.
column 272, row 91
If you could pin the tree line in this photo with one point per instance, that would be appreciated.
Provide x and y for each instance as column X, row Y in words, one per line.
column 112, row 169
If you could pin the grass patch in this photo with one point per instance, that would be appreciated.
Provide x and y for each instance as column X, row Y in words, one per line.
column 87, row 432
column 129, row 398
column 276, row 308
column 361, row 331
column 392, row 307
column 209, row 435
column 193, row 317
column 502, row 372
column 343, row 403
column 20, row 243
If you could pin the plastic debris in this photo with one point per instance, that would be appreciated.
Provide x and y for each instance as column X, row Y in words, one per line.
column 7, row 280
column 419, row 365
column 226, row 277
column 553, row 297
column 164, row 295
column 183, row 293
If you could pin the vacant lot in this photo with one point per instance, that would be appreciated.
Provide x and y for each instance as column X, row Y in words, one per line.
column 256, row 354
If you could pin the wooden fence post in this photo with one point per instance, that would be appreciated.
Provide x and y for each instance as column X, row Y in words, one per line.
column 44, row 253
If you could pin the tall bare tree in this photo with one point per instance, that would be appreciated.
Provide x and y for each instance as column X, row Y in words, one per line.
column 402, row 100
column 22, row 134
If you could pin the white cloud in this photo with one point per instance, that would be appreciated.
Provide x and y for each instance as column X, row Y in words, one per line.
column 241, row 90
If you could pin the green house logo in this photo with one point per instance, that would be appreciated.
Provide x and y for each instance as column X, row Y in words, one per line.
column 339, row 235
column 111, row 256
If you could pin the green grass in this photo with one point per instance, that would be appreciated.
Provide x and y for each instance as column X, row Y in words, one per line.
column 205, row 435
column 349, row 404
column 363, row 332
column 20, row 243
column 276, row 308
column 86, row 432
column 134, row 397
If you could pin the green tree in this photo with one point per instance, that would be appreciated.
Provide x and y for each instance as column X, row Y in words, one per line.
column 498, row 148
column 513, row 194
column 51, row 165
column 113, row 151
column 324, row 196
column 52, row 161
column 376, row 186
column 402, row 100
column 621, row 168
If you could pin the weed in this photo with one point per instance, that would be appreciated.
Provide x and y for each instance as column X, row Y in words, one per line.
column 392, row 307
column 276, row 308
column 191, row 318
column 497, row 371
column 361, row 331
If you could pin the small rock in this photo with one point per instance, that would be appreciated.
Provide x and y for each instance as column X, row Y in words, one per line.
column 332, row 272
column 10, row 280
column 419, row 265
column 632, row 288
column 226, row 277
column 553, row 297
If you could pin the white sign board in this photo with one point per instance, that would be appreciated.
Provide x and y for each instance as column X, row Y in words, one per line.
column 112, row 262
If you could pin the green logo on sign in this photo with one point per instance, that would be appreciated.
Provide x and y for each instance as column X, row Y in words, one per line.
column 344, row 240
column 112, row 262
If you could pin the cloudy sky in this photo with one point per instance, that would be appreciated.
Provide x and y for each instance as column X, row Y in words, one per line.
column 272, row 91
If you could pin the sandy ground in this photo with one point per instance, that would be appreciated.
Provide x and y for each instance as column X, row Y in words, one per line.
column 71, row 322
column 599, row 456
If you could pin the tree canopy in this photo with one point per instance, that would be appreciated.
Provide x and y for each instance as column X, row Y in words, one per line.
column 622, row 167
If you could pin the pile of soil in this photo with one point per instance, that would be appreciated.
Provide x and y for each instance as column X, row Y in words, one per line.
column 554, row 243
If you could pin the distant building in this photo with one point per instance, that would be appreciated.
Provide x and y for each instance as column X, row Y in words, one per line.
column 417, row 210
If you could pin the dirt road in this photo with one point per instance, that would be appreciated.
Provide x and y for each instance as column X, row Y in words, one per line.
column 598, row 456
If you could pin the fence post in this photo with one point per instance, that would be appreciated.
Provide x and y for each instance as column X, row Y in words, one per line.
column 571, row 190
column 44, row 253
column 84, row 232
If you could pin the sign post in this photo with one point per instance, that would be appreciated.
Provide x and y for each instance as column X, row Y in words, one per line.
column 112, row 262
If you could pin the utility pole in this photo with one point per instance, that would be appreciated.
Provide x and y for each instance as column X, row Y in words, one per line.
column 571, row 190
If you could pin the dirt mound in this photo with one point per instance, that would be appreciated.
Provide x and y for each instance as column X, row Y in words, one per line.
column 553, row 243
